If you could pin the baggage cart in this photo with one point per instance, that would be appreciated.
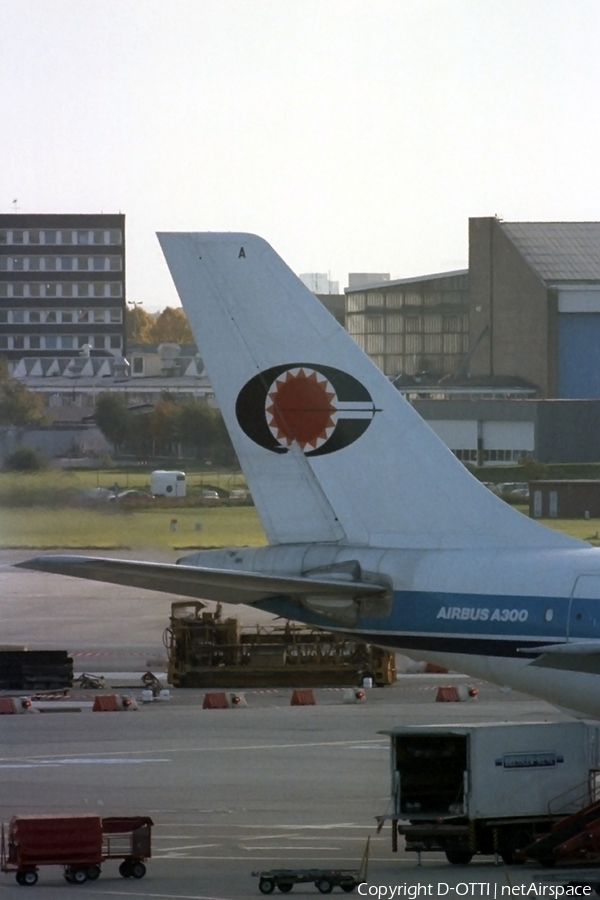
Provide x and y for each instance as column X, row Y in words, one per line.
column 80, row 844
column 323, row 879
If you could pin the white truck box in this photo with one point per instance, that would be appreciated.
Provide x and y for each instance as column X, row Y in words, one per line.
column 490, row 771
column 164, row 483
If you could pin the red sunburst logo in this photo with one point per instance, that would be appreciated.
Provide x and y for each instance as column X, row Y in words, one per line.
column 301, row 408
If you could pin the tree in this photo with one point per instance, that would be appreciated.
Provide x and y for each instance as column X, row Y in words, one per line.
column 172, row 326
column 113, row 417
column 18, row 405
column 139, row 325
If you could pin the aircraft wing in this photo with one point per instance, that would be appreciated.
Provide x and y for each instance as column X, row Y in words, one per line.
column 220, row 585
column 571, row 656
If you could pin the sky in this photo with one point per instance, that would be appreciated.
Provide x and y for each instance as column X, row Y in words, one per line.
column 353, row 135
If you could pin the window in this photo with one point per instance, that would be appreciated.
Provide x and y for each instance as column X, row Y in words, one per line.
column 3, row 263
column 83, row 237
column 35, row 289
column 35, row 317
column 138, row 365
column 115, row 342
column 50, row 263
column 98, row 316
column 3, row 343
column 3, row 315
column 82, row 290
column 97, row 341
column 67, row 342
column 114, row 236
column 82, row 315
column 67, row 317
column 98, row 263
column 67, row 290
column 18, row 290
column 3, row 236
column 115, row 289
column 51, row 289
column 34, row 342
column 115, row 263
column 49, row 237
column 3, row 289
column 34, row 236
column 83, row 263
column 18, row 263
column 98, row 237
column 115, row 315
column 35, row 263
column 51, row 341
column 67, row 263
column 18, row 342
column 18, row 237
column 98, row 289
column 18, row 317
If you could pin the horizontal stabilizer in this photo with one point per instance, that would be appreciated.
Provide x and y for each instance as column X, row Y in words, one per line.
column 569, row 648
column 220, row 585
column 571, row 656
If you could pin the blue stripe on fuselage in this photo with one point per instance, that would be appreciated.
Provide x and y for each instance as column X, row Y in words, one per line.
column 463, row 623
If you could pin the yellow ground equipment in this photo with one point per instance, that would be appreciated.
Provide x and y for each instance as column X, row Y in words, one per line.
column 208, row 651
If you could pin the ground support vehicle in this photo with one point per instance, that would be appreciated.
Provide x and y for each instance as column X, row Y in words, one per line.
column 324, row 879
column 78, row 843
column 207, row 651
column 490, row 788
column 575, row 838
column 35, row 670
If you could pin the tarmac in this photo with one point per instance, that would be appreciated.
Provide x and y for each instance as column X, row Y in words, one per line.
column 230, row 791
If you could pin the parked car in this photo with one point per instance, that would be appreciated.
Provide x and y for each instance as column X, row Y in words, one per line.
column 130, row 495
column 238, row 496
column 210, row 498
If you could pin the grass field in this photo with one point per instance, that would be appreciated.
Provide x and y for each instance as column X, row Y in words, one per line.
column 42, row 512
column 45, row 528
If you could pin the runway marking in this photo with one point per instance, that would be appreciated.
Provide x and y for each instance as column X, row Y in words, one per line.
column 46, row 763
column 189, row 847
column 289, row 847
column 226, row 825
column 243, row 748
column 100, row 893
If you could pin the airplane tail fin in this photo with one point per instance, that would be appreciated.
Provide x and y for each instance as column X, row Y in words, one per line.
column 330, row 449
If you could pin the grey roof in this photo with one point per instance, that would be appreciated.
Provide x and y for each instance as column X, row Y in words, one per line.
column 558, row 251
column 398, row 282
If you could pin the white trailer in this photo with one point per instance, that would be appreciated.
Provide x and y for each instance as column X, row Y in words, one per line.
column 488, row 788
column 164, row 483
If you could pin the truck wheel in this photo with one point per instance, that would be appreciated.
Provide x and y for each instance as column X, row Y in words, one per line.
column 285, row 887
column 459, row 857
column 29, row 877
column 517, row 839
column 93, row 872
column 348, row 886
column 125, row 869
column 79, row 876
column 325, row 886
column 138, row 869
column 266, row 885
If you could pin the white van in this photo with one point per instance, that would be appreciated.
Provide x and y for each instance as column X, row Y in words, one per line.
column 167, row 484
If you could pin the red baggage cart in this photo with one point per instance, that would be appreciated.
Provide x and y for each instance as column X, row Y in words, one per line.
column 78, row 843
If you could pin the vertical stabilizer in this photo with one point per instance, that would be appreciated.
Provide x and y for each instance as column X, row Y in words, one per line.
column 330, row 449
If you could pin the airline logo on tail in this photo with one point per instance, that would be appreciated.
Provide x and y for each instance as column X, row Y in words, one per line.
column 319, row 408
